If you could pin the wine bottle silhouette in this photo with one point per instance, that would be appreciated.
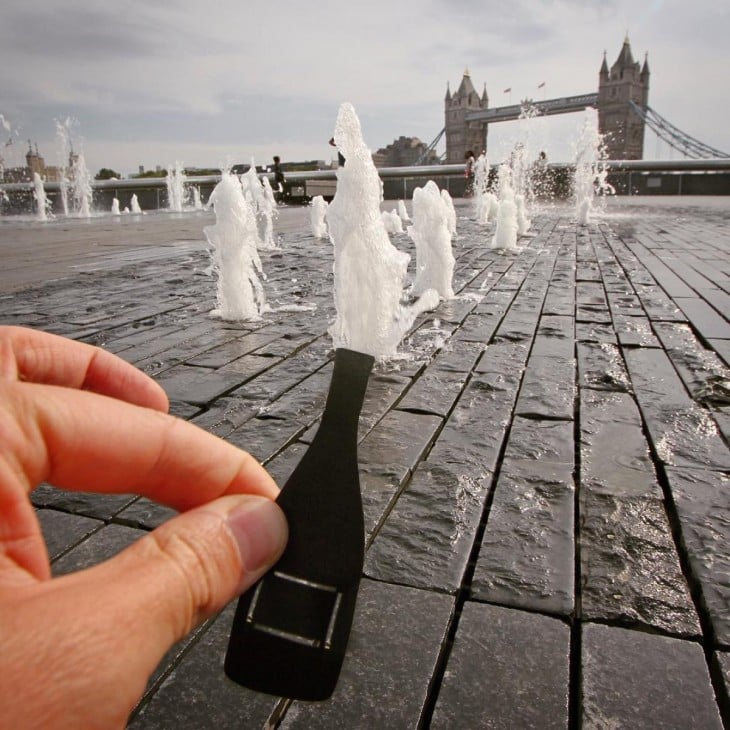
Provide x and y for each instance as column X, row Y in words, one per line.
column 290, row 630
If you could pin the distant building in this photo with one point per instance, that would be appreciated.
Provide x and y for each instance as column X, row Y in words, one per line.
column 34, row 164
column 627, row 81
column 404, row 152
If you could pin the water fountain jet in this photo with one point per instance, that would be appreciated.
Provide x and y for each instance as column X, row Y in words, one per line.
column 369, row 271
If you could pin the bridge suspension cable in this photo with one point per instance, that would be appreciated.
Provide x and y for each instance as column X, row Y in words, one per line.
column 675, row 137
column 424, row 158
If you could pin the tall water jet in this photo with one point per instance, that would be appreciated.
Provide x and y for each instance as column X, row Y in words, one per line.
column 240, row 295
column 134, row 203
column 176, row 187
column 81, row 191
column 505, row 234
column 590, row 173
column 42, row 202
column 115, row 207
column 317, row 216
column 63, row 135
column 369, row 271
column 430, row 232
column 197, row 203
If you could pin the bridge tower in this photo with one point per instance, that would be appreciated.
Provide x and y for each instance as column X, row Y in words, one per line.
column 626, row 81
column 463, row 135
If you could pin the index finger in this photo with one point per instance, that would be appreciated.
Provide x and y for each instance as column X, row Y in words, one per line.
column 86, row 442
column 40, row 357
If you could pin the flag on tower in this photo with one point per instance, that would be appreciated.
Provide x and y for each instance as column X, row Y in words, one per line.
column 542, row 85
column 507, row 91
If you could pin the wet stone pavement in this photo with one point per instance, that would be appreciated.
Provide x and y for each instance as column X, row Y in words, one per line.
column 544, row 470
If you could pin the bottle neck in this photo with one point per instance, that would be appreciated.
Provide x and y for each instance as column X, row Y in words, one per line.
column 347, row 390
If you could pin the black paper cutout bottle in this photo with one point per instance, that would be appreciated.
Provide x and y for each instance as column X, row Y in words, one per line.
column 291, row 629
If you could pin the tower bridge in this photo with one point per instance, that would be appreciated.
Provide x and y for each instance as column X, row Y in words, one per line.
column 561, row 105
column 622, row 101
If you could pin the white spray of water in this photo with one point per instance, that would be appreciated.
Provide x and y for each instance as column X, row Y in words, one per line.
column 450, row 212
column 115, row 206
column 63, row 135
column 135, row 205
column 369, row 271
column 392, row 221
column 481, row 181
column 430, row 232
column 235, row 258
column 176, row 192
column 42, row 202
column 197, row 203
column 505, row 234
column 403, row 212
column 591, row 170
column 317, row 216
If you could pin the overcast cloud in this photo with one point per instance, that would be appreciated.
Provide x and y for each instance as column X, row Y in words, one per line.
column 154, row 81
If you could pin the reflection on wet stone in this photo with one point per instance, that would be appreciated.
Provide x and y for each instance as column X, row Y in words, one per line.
column 614, row 453
column 702, row 506
column 683, row 433
column 527, row 554
column 600, row 366
column 630, row 569
column 548, row 388
column 427, row 538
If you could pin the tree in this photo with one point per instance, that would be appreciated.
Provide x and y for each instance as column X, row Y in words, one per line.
column 107, row 174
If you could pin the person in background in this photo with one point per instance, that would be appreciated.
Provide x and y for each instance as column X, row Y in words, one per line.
column 279, row 179
column 340, row 156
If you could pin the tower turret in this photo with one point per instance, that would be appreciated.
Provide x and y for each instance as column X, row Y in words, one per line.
column 462, row 135
column 624, row 84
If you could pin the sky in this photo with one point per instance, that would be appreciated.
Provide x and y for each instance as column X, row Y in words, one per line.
column 155, row 82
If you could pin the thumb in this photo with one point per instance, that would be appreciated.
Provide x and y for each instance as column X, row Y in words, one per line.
column 183, row 572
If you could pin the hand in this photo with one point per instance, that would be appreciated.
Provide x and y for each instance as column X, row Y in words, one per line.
column 77, row 651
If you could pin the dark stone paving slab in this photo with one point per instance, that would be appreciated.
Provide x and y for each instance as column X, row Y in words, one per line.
column 630, row 571
column 601, row 366
column 99, row 506
column 683, row 433
column 626, row 682
column 198, row 694
column 101, row 545
column 701, row 500
column 553, row 440
column 526, row 557
column 63, row 531
column 487, row 683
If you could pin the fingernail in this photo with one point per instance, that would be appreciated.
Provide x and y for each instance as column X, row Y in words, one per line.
column 260, row 529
